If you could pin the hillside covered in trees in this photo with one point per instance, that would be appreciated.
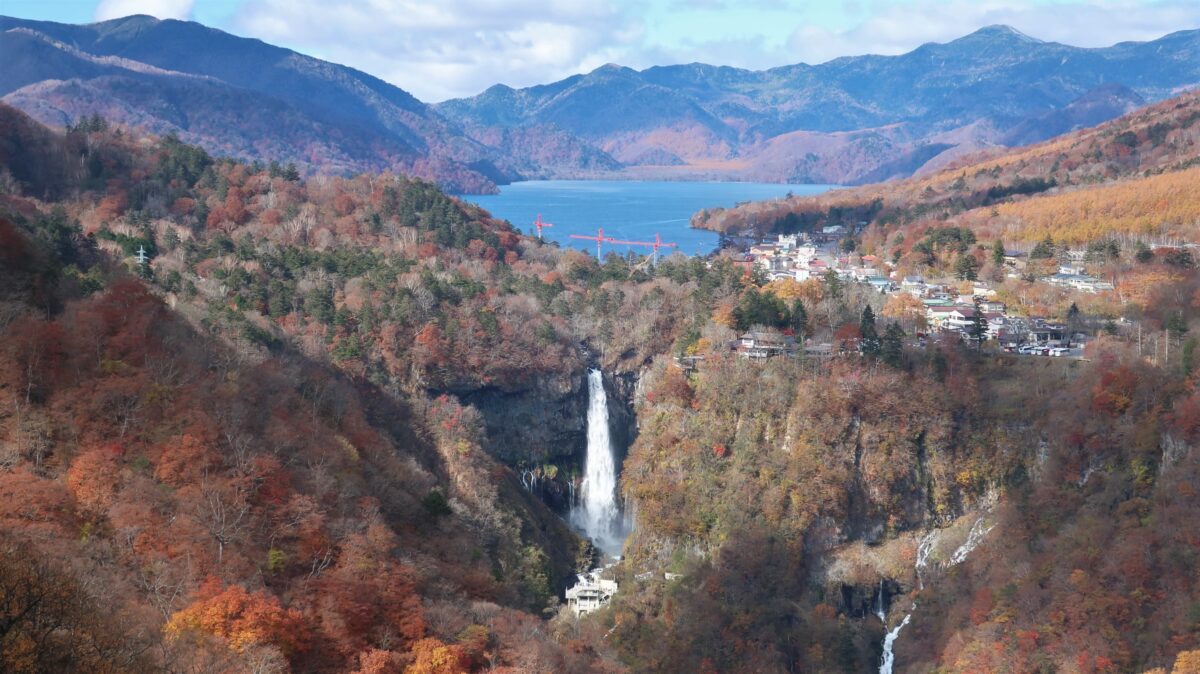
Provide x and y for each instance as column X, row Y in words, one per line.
column 300, row 437
column 241, row 509
column 290, row 367
column 236, row 97
column 1124, row 178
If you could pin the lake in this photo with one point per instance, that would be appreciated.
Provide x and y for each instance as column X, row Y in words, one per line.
column 626, row 209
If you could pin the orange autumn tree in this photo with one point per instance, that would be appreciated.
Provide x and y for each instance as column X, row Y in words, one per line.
column 431, row 656
column 430, row 346
column 905, row 307
column 94, row 477
column 185, row 459
column 1187, row 662
column 1113, row 394
column 787, row 288
column 240, row 618
column 378, row 661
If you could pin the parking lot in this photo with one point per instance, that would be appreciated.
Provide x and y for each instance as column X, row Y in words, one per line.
column 1047, row 351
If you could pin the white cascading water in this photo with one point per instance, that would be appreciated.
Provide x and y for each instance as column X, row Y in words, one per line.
column 924, row 547
column 889, row 658
column 598, row 513
column 974, row 538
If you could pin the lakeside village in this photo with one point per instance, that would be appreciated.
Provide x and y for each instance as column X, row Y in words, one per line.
column 949, row 307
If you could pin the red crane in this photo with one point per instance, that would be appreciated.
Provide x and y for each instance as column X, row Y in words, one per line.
column 655, row 244
column 539, row 224
column 599, row 239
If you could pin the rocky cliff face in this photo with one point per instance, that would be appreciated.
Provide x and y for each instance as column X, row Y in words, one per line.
column 545, row 422
column 622, row 388
column 541, row 430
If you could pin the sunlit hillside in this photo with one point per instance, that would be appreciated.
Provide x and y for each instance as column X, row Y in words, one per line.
column 1128, row 176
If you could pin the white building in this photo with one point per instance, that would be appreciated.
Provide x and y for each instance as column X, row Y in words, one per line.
column 1081, row 282
column 787, row 254
column 914, row 285
column 880, row 283
column 787, row 241
column 591, row 593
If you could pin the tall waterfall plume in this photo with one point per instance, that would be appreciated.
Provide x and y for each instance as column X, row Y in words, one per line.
column 598, row 513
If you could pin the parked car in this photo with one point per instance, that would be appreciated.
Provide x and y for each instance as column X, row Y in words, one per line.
column 1059, row 351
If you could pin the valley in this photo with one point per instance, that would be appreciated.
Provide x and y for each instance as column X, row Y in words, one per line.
column 287, row 396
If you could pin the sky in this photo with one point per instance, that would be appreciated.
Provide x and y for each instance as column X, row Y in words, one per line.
column 439, row 49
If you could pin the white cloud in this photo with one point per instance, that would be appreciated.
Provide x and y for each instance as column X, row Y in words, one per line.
column 162, row 9
column 898, row 27
column 438, row 50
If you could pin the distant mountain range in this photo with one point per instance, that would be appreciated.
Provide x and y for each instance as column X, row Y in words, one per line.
column 235, row 96
column 853, row 119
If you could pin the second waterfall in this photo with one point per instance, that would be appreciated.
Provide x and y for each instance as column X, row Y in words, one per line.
column 599, row 514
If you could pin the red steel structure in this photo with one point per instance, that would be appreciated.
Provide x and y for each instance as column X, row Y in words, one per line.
column 601, row 239
column 655, row 244
column 539, row 224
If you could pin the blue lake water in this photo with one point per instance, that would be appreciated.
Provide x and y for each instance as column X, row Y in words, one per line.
column 630, row 210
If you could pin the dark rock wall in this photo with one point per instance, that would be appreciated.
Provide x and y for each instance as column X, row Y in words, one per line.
column 544, row 423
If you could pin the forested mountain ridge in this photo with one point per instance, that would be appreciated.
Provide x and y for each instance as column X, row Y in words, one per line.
column 377, row 293
column 1121, row 178
column 847, row 120
column 1002, row 513
column 235, row 96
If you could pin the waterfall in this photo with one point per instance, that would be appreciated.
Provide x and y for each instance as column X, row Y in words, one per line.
column 924, row 547
column 880, row 611
column 598, row 515
column 889, row 658
column 974, row 537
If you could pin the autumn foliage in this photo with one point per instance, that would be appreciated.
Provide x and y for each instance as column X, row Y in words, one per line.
column 240, row 618
column 238, row 514
column 263, row 453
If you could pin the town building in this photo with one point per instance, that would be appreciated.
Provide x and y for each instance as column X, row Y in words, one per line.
column 1074, row 280
column 765, row 344
column 591, row 593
